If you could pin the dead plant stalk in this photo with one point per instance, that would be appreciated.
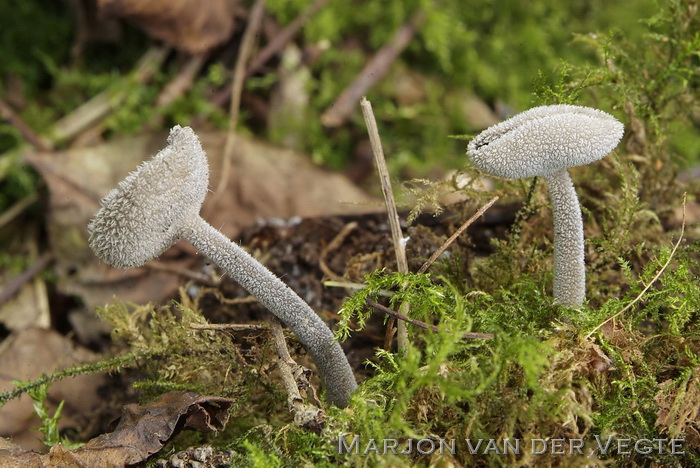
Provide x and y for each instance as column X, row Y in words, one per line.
column 239, row 74
column 394, row 223
column 457, row 233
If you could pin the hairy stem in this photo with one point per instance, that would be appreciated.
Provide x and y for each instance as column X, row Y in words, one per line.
column 333, row 367
column 569, row 268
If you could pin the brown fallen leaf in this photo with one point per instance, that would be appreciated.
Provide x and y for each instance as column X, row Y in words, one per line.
column 26, row 356
column 12, row 455
column 598, row 361
column 192, row 27
column 265, row 181
column 141, row 432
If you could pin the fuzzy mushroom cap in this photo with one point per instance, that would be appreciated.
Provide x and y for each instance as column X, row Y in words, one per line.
column 545, row 140
column 143, row 216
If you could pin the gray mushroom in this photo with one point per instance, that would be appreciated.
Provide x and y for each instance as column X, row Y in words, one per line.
column 545, row 141
column 159, row 203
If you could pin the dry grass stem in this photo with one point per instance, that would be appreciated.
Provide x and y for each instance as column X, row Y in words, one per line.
column 457, row 233
column 251, row 32
column 394, row 223
column 283, row 37
column 100, row 106
column 376, row 69
column 332, row 245
column 229, row 326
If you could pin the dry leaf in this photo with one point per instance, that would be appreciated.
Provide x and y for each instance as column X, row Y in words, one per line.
column 188, row 26
column 598, row 361
column 26, row 356
column 141, row 432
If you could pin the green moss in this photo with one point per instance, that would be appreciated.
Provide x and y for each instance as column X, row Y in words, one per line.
column 625, row 364
column 24, row 47
column 181, row 357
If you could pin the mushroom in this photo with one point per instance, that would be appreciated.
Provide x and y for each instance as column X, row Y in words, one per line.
column 545, row 141
column 159, row 203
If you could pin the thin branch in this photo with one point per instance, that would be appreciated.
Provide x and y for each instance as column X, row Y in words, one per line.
column 229, row 326
column 332, row 245
column 418, row 323
column 17, row 209
column 100, row 106
column 8, row 114
column 254, row 22
column 354, row 286
column 15, row 284
column 283, row 37
column 656, row 277
column 272, row 48
column 457, row 233
column 183, row 80
column 392, row 213
column 374, row 70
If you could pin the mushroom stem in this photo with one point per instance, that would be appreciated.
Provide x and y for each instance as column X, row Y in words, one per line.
column 569, row 268
column 333, row 367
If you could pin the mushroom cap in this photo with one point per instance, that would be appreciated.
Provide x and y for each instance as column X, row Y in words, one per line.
column 143, row 216
column 545, row 140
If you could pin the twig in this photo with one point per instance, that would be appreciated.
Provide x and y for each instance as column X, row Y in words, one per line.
column 104, row 103
column 385, row 180
column 418, row 323
column 232, row 300
column 273, row 47
column 16, row 209
column 249, row 35
column 372, row 72
column 8, row 114
column 229, row 326
column 16, row 283
column 394, row 223
column 656, row 277
column 283, row 37
column 304, row 415
column 332, row 245
column 457, row 233
column 183, row 81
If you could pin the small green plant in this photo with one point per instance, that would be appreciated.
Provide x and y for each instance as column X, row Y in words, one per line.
column 49, row 423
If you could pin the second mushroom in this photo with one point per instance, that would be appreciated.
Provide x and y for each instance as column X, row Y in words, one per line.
column 545, row 141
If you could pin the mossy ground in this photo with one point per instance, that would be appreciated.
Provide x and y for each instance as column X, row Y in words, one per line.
column 626, row 364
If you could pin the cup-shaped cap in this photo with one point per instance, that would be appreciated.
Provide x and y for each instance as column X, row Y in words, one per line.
column 143, row 216
column 545, row 140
